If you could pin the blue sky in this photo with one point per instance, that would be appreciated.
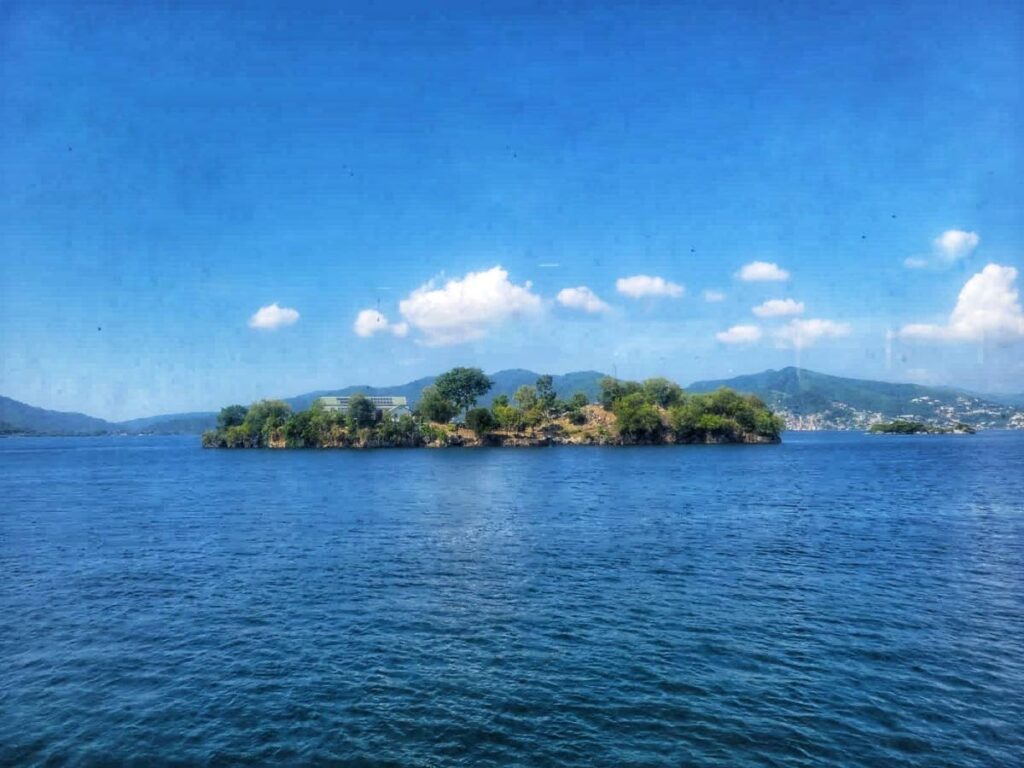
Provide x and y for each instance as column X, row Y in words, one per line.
column 166, row 173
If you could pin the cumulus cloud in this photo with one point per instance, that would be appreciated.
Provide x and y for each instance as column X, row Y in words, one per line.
column 954, row 244
column 582, row 298
column 640, row 286
column 370, row 321
column 740, row 334
column 987, row 308
column 948, row 248
column 272, row 317
column 805, row 333
column 762, row 272
column 713, row 297
column 779, row 308
column 464, row 309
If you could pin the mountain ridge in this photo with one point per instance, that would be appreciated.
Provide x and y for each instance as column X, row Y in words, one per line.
column 806, row 399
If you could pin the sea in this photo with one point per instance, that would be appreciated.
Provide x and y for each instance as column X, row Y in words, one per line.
column 839, row 599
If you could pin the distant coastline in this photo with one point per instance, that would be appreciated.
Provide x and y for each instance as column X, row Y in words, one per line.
column 904, row 427
column 653, row 412
column 804, row 399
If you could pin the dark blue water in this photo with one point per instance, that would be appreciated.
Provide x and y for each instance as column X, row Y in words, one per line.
column 838, row 599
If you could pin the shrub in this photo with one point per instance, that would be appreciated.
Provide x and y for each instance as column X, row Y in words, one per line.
column 480, row 421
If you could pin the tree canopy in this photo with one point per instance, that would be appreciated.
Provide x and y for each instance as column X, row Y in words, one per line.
column 463, row 386
column 361, row 410
column 231, row 416
column 436, row 407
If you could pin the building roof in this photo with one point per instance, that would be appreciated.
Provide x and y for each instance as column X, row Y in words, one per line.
column 383, row 402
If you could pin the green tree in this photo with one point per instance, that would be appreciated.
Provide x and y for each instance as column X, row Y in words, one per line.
column 463, row 386
column 263, row 422
column 434, row 406
column 636, row 418
column 578, row 401
column 401, row 431
column 546, row 396
column 361, row 411
column 231, row 416
column 615, row 389
column 662, row 392
column 480, row 421
column 507, row 416
column 526, row 397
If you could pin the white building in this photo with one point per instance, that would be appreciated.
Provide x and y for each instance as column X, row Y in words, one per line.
column 391, row 406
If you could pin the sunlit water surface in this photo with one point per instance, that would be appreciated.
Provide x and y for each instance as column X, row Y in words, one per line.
column 838, row 599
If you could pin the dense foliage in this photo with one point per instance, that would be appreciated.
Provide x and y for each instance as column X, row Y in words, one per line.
column 645, row 410
column 463, row 386
column 906, row 427
column 653, row 411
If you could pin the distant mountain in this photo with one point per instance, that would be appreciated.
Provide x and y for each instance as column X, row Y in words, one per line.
column 806, row 399
column 169, row 424
column 505, row 383
column 810, row 400
column 20, row 417
column 1006, row 398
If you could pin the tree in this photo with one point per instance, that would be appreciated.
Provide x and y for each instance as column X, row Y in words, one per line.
column 614, row 389
column 507, row 416
column 663, row 392
column 526, row 397
column 463, row 386
column 480, row 421
column 547, row 399
column 578, row 401
column 433, row 406
column 401, row 431
column 361, row 411
column 231, row 416
column 262, row 421
column 637, row 418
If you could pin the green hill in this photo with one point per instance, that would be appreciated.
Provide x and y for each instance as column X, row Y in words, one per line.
column 810, row 400
column 19, row 417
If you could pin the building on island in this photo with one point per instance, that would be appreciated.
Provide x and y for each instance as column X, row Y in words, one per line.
column 390, row 406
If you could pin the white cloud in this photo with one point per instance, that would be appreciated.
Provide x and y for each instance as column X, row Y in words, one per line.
column 805, row 333
column 987, row 308
column 953, row 244
column 581, row 297
column 762, row 272
column 370, row 321
column 465, row 309
column 713, row 297
column 639, row 286
column 779, row 308
column 272, row 317
column 948, row 248
column 740, row 334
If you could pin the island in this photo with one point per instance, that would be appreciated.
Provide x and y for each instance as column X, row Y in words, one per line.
column 653, row 412
column 905, row 427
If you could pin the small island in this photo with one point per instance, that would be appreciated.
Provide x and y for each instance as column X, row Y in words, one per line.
column 904, row 427
column 653, row 412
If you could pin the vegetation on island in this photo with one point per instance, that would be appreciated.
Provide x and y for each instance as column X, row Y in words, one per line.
column 626, row 412
column 906, row 427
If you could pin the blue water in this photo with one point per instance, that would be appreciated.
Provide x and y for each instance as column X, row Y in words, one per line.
column 838, row 599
